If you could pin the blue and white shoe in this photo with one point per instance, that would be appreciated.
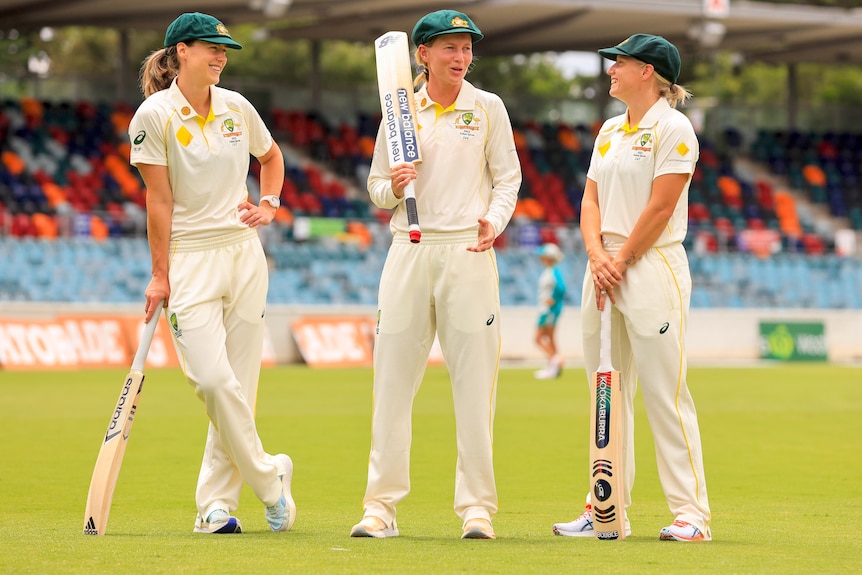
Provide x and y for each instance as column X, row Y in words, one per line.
column 583, row 526
column 683, row 531
column 219, row 521
column 282, row 515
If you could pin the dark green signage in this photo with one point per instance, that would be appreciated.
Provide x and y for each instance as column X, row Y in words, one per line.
column 793, row 341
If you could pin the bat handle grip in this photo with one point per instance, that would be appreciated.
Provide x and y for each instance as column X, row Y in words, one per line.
column 413, row 229
column 605, row 363
column 147, row 339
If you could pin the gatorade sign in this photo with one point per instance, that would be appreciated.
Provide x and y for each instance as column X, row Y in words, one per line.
column 341, row 341
column 334, row 341
column 79, row 341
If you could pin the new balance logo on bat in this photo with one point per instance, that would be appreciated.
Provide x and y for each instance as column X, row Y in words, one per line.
column 387, row 40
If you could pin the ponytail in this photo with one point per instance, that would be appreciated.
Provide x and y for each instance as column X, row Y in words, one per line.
column 422, row 70
column 674, row 93
column 159, row 70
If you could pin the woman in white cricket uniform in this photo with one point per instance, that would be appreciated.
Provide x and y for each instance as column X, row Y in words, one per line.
column 466, row 189
column 634, row 217
column 191, row 143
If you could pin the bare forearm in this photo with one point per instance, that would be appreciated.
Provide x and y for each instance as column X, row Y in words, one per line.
column 654, row 219
column 591, row 222
column 159, row 235
column 644, row 235
column 272, row 172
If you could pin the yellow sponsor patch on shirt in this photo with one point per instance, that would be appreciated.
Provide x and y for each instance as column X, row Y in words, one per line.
column 682, row 149
column 603, row 149
column 184, row 137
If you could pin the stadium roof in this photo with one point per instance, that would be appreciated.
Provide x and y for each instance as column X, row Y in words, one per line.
column 758, row 30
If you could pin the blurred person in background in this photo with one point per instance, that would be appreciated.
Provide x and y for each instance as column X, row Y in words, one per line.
column 551, row 295
column 191, row 142
column 466, row 190
column 634, row 217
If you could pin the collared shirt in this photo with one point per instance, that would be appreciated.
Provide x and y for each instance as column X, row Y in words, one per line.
column 207, row 158
column 469, row 167
column 626, row 159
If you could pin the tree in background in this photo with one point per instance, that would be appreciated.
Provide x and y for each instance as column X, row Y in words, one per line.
column 93, row 53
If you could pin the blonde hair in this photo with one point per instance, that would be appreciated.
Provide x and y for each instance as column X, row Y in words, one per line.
column 159, row 70
column 674, row 93
column 421, row 68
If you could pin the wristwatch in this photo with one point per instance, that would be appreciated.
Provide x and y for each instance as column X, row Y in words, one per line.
column 273, row 201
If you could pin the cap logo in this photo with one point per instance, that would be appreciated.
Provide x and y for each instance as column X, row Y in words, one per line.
column 458, row 22
column 220, row 28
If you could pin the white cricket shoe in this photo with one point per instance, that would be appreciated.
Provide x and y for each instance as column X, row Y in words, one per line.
column 219, row 521
column 583, row 526
column 553, row 371
column 478, row 528
column 683, row 531
column 371, row 526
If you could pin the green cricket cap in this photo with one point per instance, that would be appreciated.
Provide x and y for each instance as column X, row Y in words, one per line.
column 444, row 22
column 654, row 50
column 197, row 26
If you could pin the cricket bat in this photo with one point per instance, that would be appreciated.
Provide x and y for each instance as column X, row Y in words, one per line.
column 107, row 468
column 395, row 84
column 606, row 442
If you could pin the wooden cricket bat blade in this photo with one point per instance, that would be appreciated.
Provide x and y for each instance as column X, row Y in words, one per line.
column 395, row 86
column 110, row 459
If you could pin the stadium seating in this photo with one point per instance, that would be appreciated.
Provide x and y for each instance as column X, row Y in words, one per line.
column 826, row 167
column 64, row 174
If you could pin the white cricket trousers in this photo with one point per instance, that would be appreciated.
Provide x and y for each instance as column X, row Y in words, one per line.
column 435, row 286
column 217, row 304
column 648, row 326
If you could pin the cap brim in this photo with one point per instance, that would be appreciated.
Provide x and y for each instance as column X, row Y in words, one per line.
column 222, row 40
column 612, row 53
column 476, row 37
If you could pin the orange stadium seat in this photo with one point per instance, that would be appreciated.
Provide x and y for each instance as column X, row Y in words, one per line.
column 14, row 164
column 45, row 225
column 814, row 175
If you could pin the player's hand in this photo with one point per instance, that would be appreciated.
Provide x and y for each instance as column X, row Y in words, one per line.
column 487, row 235
column 603, row 295
column 159, row 289
column 253, row 216
column 401, row 175
column 605, row 272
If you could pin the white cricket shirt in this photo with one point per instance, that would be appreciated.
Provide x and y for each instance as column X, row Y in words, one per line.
column 469, row 168
column 627, row 159
column 207, row 158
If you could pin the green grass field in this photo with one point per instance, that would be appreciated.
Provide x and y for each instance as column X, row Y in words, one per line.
column 782, row 452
